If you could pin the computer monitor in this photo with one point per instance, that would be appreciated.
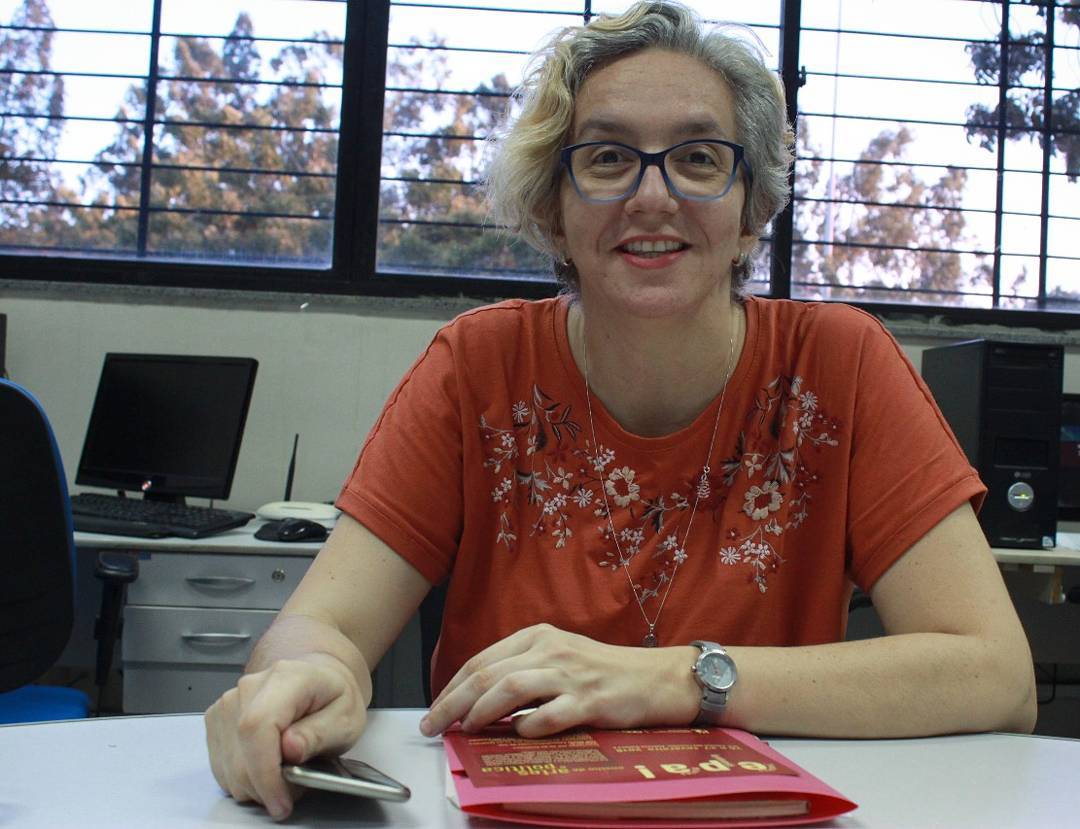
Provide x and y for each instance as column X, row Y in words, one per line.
column 1069, row 488
column 169, row 426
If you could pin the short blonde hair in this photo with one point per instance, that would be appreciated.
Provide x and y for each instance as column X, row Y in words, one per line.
column 524, row 176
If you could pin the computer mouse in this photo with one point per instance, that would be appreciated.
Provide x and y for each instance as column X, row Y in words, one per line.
column 300, row 529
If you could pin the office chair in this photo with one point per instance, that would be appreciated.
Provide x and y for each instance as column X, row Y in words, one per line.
column 37, row 557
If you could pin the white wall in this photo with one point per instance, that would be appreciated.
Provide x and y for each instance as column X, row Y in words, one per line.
column 324, row 371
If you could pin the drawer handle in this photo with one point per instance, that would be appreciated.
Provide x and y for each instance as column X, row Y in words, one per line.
column 222, row 640
column 221, row 582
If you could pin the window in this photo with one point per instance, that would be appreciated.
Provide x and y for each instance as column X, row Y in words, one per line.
column 451, row 67
column 938, row 151
column 928, row 170
column 171, row 130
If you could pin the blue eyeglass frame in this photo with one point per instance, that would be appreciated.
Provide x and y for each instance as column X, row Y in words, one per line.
column 657, row 159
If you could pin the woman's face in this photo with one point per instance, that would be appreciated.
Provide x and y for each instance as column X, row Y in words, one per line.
column 653, row 100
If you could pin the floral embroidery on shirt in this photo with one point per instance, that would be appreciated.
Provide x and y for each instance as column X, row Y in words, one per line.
column 770, row 461
column 565, row 480
column 542, row 456
column 620, row 486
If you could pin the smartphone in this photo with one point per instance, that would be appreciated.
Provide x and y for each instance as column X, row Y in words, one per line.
column 341, row 774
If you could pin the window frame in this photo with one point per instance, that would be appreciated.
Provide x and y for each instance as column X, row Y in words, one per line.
column 353, row 270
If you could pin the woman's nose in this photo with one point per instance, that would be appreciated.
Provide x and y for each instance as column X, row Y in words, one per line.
column 652, row 193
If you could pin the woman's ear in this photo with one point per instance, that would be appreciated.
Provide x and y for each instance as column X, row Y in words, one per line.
column 558, row 237
column 747, row 242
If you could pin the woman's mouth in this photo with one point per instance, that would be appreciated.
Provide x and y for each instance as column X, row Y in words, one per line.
column 652, row 249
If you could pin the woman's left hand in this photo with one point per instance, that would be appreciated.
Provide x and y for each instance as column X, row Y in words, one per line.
column 572, row 680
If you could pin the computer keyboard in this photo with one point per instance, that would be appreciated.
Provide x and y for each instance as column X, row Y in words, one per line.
column 97, row 513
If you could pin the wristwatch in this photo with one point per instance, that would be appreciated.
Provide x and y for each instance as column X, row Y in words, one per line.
column 715, row 672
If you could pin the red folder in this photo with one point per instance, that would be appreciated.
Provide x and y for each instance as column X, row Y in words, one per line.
column 657, row 777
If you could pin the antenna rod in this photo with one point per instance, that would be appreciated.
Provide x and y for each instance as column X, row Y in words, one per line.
column 292, row 468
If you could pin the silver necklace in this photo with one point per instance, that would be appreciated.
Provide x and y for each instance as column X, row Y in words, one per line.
column 650, row 640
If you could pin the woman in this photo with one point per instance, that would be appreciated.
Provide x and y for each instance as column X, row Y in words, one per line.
column 651, row 495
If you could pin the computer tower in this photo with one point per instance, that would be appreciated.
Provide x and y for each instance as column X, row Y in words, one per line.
column 1003, row 402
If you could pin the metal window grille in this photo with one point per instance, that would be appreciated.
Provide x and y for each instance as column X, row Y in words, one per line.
column 1001, row 211
column 451, row 67
column 928, row 171
column 171, row 131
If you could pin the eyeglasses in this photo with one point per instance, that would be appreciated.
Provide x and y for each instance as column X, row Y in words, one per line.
column 607, row 171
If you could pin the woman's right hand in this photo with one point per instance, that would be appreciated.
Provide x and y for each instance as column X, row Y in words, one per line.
column 289, row 712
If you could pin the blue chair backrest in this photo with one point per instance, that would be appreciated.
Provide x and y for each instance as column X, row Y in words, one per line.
column 36, row 542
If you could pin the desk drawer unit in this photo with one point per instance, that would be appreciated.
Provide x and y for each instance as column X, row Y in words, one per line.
column 191, row 621
column 179, row 659
column 185, row 580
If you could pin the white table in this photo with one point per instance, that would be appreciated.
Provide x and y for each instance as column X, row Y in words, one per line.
column 242, row 541
column 1043, row 569
column 239, row 541
column 1065, row 554
column 153, row 771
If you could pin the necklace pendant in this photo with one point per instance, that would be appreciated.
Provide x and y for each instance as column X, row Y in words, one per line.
column 650, row 640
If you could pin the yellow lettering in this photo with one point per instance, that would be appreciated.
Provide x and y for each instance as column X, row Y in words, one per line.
column 716, row 764
column 754, row 765
column 675, row 768
column 648, row 775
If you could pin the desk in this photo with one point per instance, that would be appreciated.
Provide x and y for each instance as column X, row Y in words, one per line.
column 1065, row 554
column 197, row 609
column 1046, row 566
column 152, row 771
column 239, row 541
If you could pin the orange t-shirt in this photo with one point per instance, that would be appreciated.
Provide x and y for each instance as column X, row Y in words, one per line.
column 830, row 461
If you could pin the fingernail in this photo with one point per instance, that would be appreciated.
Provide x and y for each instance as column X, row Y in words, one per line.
column 278, row 809
column 425, row 727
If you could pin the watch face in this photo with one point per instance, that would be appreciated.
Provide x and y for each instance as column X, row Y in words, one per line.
column 716, row 671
